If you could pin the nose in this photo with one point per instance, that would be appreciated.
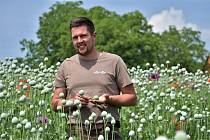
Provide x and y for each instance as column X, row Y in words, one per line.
column 79, row 39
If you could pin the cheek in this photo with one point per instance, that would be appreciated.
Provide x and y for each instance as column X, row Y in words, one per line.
column 74, row 43
column 75, row 46
column 90, row 41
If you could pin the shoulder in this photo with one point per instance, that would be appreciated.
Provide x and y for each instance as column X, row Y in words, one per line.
column 72, row 58
column 116, row 58
column 68, row 61
column 113, row 60
column 111, row 56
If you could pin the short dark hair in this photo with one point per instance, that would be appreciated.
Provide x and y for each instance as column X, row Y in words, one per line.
column 80, row 21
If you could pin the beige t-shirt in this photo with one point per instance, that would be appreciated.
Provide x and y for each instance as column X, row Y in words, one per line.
column 106, row 75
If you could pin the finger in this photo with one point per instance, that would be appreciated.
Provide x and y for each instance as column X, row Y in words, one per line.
column 84, row 103
column 82, row 100
column 84, row 97
column 93, row 101
column 96, row 102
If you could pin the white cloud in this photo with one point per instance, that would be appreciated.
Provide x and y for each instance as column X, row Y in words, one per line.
column 161, row 21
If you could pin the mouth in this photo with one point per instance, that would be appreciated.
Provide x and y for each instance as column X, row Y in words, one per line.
column 81, row 49
column 81, row 46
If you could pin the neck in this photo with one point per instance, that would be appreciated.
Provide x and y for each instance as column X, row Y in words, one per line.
column 92, row 56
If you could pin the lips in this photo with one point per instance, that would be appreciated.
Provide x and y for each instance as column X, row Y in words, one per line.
column 81, row 47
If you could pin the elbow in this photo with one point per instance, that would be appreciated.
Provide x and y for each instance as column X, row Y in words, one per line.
column 54, row 106
column 135, row 100
column 54, row 109
column 132, row 100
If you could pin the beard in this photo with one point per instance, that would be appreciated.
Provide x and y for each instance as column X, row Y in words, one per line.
column 85, row 50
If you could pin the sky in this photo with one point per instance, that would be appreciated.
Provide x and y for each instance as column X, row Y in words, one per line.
column 20, row 18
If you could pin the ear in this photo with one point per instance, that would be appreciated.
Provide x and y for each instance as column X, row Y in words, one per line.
column 94, row 34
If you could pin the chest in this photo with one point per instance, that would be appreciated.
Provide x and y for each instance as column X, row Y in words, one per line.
column 95, row 75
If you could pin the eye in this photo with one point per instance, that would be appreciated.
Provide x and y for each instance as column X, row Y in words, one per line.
column 83, row 36
column 75, row 37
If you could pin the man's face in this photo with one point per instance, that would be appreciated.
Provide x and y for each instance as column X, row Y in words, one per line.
column 83, row 40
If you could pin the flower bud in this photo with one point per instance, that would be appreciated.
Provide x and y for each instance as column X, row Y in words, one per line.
column 81, row 92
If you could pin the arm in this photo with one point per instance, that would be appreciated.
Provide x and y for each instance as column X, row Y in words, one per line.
column 127, row 98
column 123, row 80
column 56, row 101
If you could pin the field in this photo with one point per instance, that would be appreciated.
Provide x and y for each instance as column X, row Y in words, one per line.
column 170, row 99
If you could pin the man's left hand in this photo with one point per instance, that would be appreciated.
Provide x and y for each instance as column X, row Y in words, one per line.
column 102, row 99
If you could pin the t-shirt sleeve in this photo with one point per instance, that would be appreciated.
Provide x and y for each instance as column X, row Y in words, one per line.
column 60, row 77
column 122, row 76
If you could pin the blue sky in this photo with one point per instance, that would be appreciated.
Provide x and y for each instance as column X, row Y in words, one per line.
column 20, row 18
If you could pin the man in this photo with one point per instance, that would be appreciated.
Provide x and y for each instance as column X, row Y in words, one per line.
column 96, row 73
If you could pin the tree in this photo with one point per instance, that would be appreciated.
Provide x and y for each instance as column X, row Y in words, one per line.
column 128, row 35
column 185, row 47
column 53, row 33
column 124, row 35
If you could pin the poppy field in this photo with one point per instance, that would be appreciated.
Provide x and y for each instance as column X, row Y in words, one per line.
column 170, row 100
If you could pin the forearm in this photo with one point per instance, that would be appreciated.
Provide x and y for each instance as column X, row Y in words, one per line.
column 58, row 103
column 55, row 103
column 56, row 100
column 122, row 100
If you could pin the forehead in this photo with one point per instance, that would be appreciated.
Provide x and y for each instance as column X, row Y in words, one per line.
column 79, row 30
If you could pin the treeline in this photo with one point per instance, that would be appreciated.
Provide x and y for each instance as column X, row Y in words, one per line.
column 128, row 35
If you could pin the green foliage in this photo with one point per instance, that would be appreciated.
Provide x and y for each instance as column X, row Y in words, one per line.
column 128, row 35
column 185, row 47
